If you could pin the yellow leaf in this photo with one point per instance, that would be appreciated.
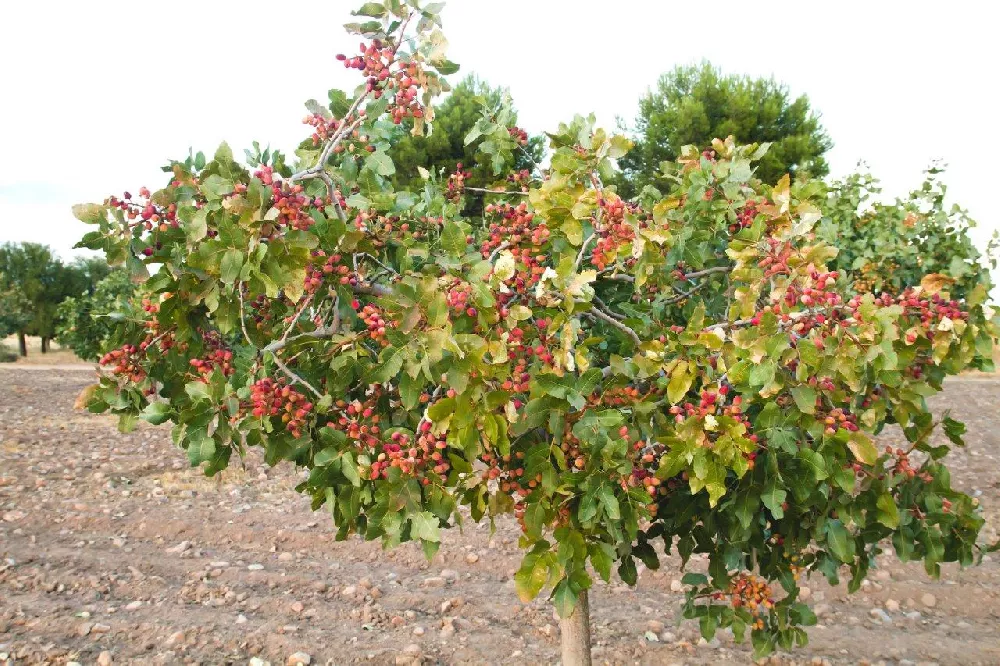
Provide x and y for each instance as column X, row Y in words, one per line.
column 85, row 396
column 935, row 282
column 782, row 194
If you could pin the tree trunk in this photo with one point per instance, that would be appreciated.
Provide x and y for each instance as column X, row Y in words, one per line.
column 45, row 345
column 575, row 632
column 22, row 344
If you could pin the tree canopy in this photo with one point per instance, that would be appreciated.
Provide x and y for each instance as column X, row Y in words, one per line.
column 692, row 105
column 685, row 371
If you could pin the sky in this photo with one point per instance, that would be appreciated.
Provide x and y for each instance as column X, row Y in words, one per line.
column 98, row 95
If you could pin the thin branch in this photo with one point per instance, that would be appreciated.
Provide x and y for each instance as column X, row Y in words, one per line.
column 294, row 377
column 243, row 322
column 376, row 260
column 296, row 316
column 372, row 289
column 583, row 248
column 621, row 277
column 684, row 294
column 484, row 190
column 499, row 248
column 608, row 319
column 707, row 271
column 608, row 310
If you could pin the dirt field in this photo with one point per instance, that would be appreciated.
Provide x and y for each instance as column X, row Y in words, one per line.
column 55, row 356
column 113, row 551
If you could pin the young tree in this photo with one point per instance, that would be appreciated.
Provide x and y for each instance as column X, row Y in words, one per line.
column 888, row 245
column 88, row 323
column 691, row 105
column 690, row 371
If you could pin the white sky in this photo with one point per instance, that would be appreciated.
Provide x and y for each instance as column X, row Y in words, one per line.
column 98, row 95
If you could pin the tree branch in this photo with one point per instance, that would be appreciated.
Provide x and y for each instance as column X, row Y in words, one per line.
column 483, row 190
column 707, row 271
column 372, row 289
column 243, row 322
column 597, row 312
column 583, row 248
column 499, row 248
column 294, row 377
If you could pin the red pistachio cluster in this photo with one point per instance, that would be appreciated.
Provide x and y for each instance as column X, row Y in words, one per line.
column 750, row 592
column 614, row 231
column 456, row 183
column 125, row 362
column 324, row 266
column 413, row 456
column 371, row 315
column 270, row 398
column 744, row 216
column 291, row 202
column 516, row 226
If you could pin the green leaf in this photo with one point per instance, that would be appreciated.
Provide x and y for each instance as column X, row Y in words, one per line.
column 530, row 578
column 390, row 365
column 215, row 187
column 680, row 383
column 89, row 213
column 196, row 228
column 156, row 412
column 425, row 525
column 773, row 497
column 380, row 163
column 201, row 449
column 564, row 598
column 805, row 399
column 694, row 579
column 862, row 447
column 453, row 239
column 197, row 391
column 839, row 541
column 372, row 9
column 954, row 430
column 888, row 512
column 762, row 373
column 231, row 265
column 339, row 103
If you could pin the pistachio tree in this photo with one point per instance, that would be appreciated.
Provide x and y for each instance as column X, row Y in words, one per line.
column 624, row 379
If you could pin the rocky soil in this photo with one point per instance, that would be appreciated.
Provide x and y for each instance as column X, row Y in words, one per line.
column 114, row 551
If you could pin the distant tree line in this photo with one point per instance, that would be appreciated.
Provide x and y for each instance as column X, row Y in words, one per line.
column 33, row 284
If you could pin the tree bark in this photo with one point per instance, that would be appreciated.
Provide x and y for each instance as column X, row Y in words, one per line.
column 45, row 345
column 22, row 344
column 575, row 634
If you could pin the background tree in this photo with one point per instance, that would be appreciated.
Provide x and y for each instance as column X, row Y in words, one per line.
column 887, row 245
column 15, row 313
column 689, row 373
column 87, row 323
column 691, row 105
column 35, row 272
column 445, row 147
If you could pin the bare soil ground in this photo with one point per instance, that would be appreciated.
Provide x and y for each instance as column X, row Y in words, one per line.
column 56, row 355
column 112, row 550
